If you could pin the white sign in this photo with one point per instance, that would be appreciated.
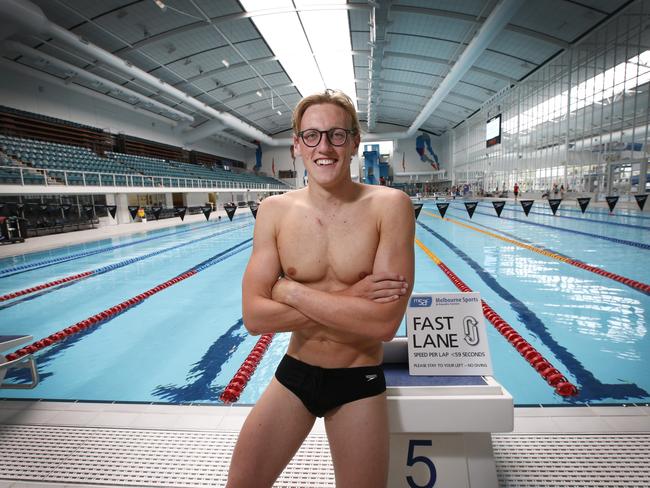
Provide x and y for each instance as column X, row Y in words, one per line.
column 446, row 335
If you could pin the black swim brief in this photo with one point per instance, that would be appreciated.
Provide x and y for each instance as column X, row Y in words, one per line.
column 322, row 389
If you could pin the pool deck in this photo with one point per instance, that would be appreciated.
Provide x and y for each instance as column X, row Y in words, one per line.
column 55, row 444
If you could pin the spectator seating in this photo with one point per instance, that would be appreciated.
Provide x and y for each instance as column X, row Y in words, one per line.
column 74, row 165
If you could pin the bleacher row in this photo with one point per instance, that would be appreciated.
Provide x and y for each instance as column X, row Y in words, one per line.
column 74, row 165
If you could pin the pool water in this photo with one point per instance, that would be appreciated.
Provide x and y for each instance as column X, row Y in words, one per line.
column 184, row 343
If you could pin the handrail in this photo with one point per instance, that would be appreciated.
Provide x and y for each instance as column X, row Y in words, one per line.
column 131, row 180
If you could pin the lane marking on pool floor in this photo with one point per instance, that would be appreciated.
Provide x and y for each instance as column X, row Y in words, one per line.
column 637, row 285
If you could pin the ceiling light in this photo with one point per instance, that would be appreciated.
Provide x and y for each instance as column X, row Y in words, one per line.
column 305, row 60
column 161, row 5
column 225, row 63
column 279, row 113
column 258, row 93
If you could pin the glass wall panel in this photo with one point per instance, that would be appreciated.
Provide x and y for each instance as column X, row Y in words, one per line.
column 579, row 122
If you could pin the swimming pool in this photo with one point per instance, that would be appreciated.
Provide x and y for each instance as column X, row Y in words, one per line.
column 182, row 343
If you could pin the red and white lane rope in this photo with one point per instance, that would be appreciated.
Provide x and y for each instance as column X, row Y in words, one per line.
column 233, row 391
column 550, row 374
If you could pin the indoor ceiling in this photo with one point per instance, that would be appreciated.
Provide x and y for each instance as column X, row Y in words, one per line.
column 212, row 53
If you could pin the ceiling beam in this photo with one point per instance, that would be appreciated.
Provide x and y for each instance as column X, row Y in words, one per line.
column 473, row 19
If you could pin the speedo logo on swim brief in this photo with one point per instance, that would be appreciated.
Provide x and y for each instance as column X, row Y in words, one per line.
column 370, row 377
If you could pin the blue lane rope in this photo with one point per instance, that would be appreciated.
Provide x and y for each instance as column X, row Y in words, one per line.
column 572, row 231
column 581, row 219
column 121, row 264
column 5, row 273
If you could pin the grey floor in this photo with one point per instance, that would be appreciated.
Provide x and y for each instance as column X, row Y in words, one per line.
column 93, row 444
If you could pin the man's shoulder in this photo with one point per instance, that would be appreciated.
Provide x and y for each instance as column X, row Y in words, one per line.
column 384, row 194
column 280, row 203
column 282, row 199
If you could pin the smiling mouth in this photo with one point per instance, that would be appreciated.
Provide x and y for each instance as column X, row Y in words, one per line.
column 325, row 162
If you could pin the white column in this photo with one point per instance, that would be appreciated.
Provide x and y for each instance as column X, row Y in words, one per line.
column 122, row 215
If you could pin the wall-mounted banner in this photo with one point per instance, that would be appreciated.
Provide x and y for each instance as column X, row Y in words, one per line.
column 470, row 207
column 230, row 209
column 442, row 208
column 446, row 335
column 156, row 211
column 418, row 208
column 611, row 203
column 640, row 200
column 112, row 209
column 555, row 204
column 133, row 210
column 583, row 202
column 527, row 205
column 498, row 206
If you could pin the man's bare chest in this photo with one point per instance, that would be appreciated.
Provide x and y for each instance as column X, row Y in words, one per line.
column 316, row 249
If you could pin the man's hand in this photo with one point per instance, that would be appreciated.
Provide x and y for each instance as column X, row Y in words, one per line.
column 281, row 289
column 379, row 287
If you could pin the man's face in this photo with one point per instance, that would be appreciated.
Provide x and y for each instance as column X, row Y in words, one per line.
column 325, row 163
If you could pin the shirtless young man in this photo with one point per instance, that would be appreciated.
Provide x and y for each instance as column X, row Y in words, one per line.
column 332, row 263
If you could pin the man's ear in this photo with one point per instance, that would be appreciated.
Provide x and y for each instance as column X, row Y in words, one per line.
column 296, row 146
column 357, row 143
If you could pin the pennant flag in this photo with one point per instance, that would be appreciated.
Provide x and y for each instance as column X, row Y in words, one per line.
column 526, row 205
column 417, row 207
column 180, row 211
column 611, row 203
column 442, row 208
column 583, row 202
column 230, row 209
column 470, row 207
column 66, row 207
column 156, row 211
column 89, row 211
column 43, row 207
column 273, row 166
column 254, row 207
column 498, row 206
column 404, row 161
column 207, row 210
column 554, row 203
column 112, row 209
column 133, row 210
column 640, row 200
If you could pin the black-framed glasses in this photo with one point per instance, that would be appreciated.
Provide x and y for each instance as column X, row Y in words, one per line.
column 336, row 136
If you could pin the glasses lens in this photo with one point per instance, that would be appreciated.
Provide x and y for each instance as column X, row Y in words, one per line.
column 311, row 137
column 337, row 136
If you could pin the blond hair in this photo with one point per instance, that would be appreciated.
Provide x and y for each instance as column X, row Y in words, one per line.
column 335, row 97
